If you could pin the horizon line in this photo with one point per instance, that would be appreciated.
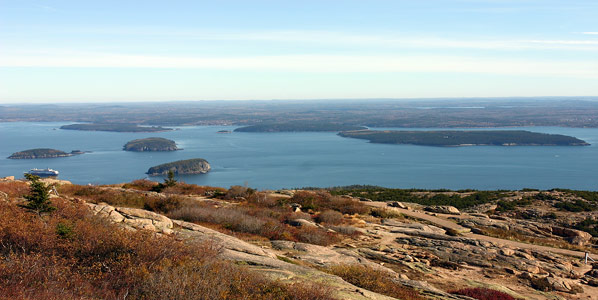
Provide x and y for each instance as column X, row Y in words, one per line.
column 592, row 97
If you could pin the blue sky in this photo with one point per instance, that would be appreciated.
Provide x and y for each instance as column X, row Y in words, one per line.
column 84, row 51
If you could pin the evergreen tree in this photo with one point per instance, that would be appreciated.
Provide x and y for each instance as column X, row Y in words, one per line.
column 38, row 198
column 170, row 181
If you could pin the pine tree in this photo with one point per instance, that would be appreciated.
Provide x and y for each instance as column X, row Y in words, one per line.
column 170, row 181
column 38, row 198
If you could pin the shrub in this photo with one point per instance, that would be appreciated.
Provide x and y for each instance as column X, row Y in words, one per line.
column 483, row 294
column 163, row 205
column 576, row 206
column 374, row 280
column 297, row 215
column 588, row 225
column 385, row 213
column 258, row 221
column 316, row 236
column 140, row 184
column 330, row 217
column 14, row 189
column 321, row 200
column 100, row 260
column 237, row 191
column 503, row 205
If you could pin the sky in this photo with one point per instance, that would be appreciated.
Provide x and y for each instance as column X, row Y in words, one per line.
column 107, row 51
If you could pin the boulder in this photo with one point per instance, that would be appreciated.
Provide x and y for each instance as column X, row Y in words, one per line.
column 302, row 223
column 443, row 209
column 507, row 251
column 558, row 284
column 574, row 236
column 397, row 204
column 295, row 207
column 143, row 217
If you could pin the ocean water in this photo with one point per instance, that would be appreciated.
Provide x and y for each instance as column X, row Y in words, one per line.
column 319, row 159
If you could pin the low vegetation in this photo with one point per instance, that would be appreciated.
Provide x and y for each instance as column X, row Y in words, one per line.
column 374, row 280
column 588, row 225
column 70, row 254
column 483, row 294
column 458, row 199
column 520, row 237
column 576, row 206
column 321, row 200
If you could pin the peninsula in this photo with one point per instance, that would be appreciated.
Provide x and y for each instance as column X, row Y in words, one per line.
column 115, row 127
column 189, row 166
column 465, row 138
column 42, row 153
column 151, row 144
column 298, row 127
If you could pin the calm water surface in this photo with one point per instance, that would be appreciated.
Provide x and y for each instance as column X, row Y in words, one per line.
column 287, row 160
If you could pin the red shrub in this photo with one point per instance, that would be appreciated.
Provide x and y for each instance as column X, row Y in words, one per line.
column 483, row 294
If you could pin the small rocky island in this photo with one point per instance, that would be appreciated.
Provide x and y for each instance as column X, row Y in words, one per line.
column 115, row 127
column 299, row 127
column 455, row 138
column 151, row 144
column 189, row 166
column 43, row 153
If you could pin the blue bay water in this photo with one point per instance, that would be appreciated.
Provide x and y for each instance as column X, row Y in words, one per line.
column 322, row 159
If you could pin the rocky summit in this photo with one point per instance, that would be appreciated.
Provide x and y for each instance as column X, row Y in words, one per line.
column 359, row 248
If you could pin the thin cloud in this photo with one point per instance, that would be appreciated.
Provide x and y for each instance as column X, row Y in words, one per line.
column 315, row 38
column 315, row 63
column 590, row 32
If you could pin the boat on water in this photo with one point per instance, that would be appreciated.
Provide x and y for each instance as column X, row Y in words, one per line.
column 43, row 172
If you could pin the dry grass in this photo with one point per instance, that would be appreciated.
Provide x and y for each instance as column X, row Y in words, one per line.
column 181, row 188
column 71, row 254
column 519, row 237
column 259, row 221
column 126, row 198
column 330, row 217
column 386, row 213
column 374, row 280
column 321, row 200
column 14, row 189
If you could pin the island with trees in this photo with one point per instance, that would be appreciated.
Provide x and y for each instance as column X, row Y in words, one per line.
column 42, row 153
column 115, row 127
column 181, row 167
column 151, row 144
column 453, row 138
column 299, row 127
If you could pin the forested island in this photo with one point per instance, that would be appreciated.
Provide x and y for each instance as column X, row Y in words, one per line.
column 465, row 138
column 151, row 144
column 115, row 127
column 298, row 127
column 42, row 153
column 189, row 166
